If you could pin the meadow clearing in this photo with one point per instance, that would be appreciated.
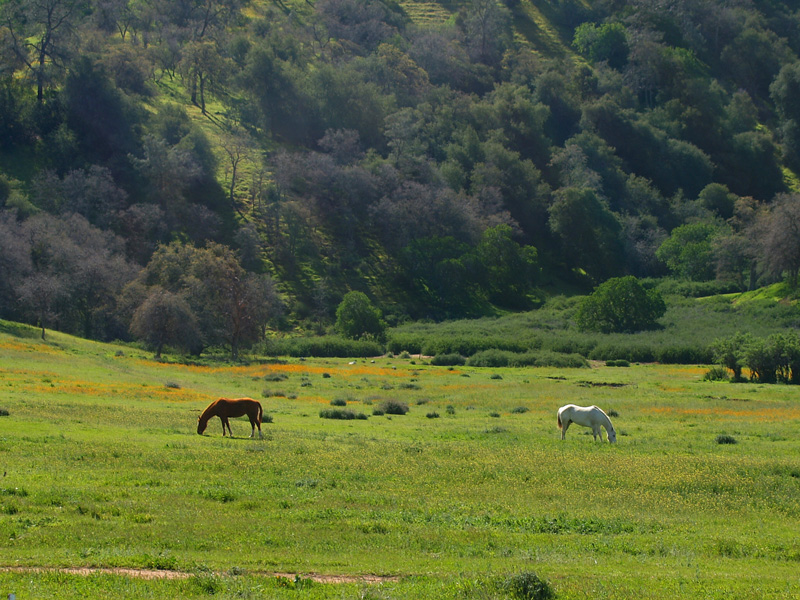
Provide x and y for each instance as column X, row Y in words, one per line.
column 102, row 468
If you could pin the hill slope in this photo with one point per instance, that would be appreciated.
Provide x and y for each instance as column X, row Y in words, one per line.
column 450, row 159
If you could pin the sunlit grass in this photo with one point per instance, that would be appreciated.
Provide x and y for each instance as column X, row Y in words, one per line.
column 104, row 469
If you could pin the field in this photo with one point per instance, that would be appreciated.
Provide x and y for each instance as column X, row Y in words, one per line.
column 102, row 468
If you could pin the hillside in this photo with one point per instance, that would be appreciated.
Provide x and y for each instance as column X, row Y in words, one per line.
column 450, row 159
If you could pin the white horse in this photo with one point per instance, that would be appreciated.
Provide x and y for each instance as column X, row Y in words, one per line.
column 586, row 416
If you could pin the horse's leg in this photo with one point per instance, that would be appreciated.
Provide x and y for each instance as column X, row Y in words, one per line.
column 222, row 420
column 252, row 426
column 596, row 431
column 564, row 427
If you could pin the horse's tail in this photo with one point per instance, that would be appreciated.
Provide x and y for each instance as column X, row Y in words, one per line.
column 559, row 421
column 260, row 412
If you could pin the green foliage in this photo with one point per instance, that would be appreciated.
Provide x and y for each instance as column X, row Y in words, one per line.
column 325, row 346
column 437, row 168
column 770, row 360
column 620, row 305
column 527, row 586
column 448, row 360
column 393, row 407
column 357, row 318
column 725, row 439
column 342, row 414
column 688, row 251
column 607, row 42
column 716, row 374
column 618, row 363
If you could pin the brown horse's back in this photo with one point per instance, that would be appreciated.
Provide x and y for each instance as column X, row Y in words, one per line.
column 236, row 407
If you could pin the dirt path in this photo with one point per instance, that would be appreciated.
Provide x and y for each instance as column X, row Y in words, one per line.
column 158, row 574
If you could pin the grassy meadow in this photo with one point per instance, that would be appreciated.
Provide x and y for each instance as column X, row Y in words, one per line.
column 102, row 467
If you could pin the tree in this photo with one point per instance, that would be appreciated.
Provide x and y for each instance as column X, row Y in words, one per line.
column 357, row 318
column 589, row 231
column 779, row 230
column 607, row 42
column 42, row 293
column 487, row 30
column 39, row 32
column 688, row 252
column 730, row 353
column 204, row 68
column 620, row 305
column 230, row 305
column 510, row 269
column 165, row 319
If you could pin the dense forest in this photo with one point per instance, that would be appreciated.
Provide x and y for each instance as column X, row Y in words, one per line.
column 195, row 173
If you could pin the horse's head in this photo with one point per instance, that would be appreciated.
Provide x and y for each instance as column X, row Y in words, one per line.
column 201, row 426
column 612, row 436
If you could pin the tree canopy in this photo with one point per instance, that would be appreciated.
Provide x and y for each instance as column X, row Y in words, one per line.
column 292, row 151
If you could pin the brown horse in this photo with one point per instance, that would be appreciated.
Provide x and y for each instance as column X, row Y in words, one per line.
column 225, row 408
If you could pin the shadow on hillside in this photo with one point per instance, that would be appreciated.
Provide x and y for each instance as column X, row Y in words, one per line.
column 20, row 330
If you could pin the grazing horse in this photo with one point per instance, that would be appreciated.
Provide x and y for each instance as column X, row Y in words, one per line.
column 225, row 408
column 587, row 416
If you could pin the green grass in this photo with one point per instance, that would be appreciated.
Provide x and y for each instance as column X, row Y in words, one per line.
column 686, row 331
column 103, row 468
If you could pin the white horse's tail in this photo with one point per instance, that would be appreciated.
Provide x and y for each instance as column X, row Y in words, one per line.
column 559, row 421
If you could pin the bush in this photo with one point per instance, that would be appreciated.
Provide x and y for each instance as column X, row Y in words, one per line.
column 338, row 402
column 393, row 407
column 716, row 374
column 527, row 586
column 340, row 413
column 448, row 360
column 323, row 347
column 685, row 355
column 276, row 377
column 489, row 358
column 432, row 415
column 618, row 363
column 540, row 358
column 725, row 439
column 3, row 412
column 623, row 351
column 400, row 343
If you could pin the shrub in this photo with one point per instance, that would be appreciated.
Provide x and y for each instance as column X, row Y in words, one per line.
column 432, row 415
column 338, row 402
column 324, row 347
column 276, row 376
column 527, row 586
column 3, row 412
column 631, row 352
column 618, row 363
column 519, row 410
column 448, row 360
column 340, row 413
column 489, row 358
column 716, row 374
column 393, row 407
column 684, row 355
column 725, row 439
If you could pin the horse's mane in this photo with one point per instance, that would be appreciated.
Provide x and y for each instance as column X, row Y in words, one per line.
column 209, row 412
